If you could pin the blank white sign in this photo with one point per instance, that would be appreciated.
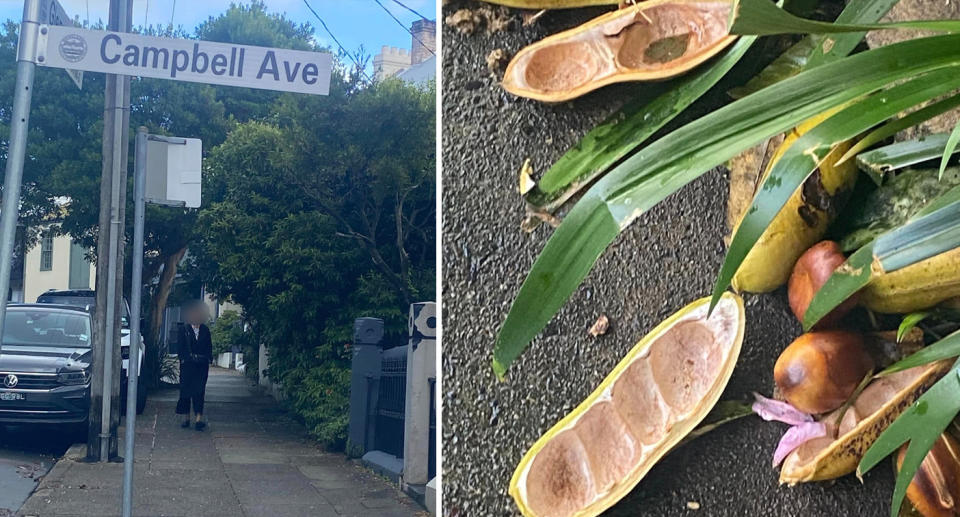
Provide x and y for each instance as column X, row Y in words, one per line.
column 174, row 172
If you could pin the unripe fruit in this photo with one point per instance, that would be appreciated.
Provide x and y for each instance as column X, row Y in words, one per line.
column 820, row 370
column 811, row 271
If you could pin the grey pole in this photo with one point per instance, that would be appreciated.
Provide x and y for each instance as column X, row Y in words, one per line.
column 116, row 229
column 136, row 273
column 19, row 123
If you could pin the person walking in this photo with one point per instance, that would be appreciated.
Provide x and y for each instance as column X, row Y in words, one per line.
column 196, row 354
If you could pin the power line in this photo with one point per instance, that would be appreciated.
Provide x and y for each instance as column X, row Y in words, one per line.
column 398, row 2
column 344, row 50
column 400, row 23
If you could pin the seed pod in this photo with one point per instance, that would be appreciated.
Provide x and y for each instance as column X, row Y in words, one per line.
column 872, row 412
column 819, row 371
column 656, row 395
column 551, row 4
column 809, row 274
column 915, row 287
column 802, row 221
column 652, row 40
column 935, row 488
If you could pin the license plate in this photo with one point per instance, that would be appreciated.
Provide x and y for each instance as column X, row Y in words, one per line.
column 11, row 396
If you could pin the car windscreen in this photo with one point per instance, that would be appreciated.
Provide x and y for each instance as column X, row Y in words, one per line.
column 82, row 301
column 46, row 328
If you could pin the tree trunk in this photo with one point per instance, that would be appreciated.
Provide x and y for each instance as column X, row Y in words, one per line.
column 158, row 303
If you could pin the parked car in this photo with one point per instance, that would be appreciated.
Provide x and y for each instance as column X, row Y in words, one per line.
column 45, row 364
column 86, row 298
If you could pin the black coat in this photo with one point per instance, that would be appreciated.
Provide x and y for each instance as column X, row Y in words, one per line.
column 198, row 348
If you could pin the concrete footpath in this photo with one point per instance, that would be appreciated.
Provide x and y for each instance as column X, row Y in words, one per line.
column 252, row 460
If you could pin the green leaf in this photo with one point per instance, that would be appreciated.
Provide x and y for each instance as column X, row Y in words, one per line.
column 896, row 202
column 895, row 126
column 815, row 50
column 950, row 147
column 919, row 239
column 633, row 124
column 587, row 229
column 850, row 277
column 647, row 177
column 808, row 151
column 903, row 154
column 763, row 18
column 947, row 198
column 945, row 348
column 909, row 321
column 921, row 424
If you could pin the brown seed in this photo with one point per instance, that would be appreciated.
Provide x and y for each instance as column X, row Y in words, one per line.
column 809, row 274
column 820, row 370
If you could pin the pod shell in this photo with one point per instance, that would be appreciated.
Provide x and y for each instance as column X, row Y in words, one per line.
column 652, row 40
column 551, row 4
column 842, row 456
column 915, row 287
column 675, row 426
column 802, row 221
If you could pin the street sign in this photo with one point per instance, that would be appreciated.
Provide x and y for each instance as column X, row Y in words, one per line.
column 185, row 60
column 173, row 171
column 52, row 13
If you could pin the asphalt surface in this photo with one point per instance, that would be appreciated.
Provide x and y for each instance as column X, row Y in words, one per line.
column 665, row 260
column 26, row 455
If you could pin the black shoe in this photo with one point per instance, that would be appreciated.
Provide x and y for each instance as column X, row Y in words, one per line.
column 201, row 426
column 185, row 424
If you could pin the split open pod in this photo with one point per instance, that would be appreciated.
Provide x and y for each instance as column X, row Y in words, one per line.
column 877, row 406
column 656, row 395
column 652, row 40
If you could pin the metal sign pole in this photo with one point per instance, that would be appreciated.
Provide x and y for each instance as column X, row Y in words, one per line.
column 136, row 274
column 19, row 123
column 117, row 143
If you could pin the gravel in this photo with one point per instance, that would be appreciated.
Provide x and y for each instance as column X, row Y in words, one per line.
column 663, row 261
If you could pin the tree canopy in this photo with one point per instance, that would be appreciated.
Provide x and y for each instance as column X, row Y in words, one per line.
column 317, row 209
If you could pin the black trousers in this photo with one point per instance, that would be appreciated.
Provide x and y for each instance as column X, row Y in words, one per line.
column 193, row 386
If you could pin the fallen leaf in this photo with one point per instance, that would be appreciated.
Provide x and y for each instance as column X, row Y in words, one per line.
column 600, row 327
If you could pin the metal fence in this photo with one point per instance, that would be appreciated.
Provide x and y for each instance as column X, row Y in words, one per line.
column 391, row 402
column 432, row 465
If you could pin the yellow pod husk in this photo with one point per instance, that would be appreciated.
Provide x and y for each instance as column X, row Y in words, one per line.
column 803, row 220
column 874, row 410
column 654, row 397
column 652, row 40
column 551, row 4
column 916, row 287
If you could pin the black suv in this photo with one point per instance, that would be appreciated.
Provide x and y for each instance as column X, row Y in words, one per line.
column 85, row 298
column 45, row 364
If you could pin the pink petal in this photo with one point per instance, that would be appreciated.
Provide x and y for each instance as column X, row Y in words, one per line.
column 797, row 436
column 770, row 409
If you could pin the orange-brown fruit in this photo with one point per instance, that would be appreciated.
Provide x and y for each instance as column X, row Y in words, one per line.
column 811, row 271
column 935, row 489
column 820, row 370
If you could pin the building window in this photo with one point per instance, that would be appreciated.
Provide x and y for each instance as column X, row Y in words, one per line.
column 46, row 252
column 79, row 267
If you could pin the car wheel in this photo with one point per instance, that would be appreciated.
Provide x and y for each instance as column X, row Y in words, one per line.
column 141, row 399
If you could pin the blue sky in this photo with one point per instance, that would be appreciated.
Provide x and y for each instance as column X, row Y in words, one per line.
column 353, row 22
